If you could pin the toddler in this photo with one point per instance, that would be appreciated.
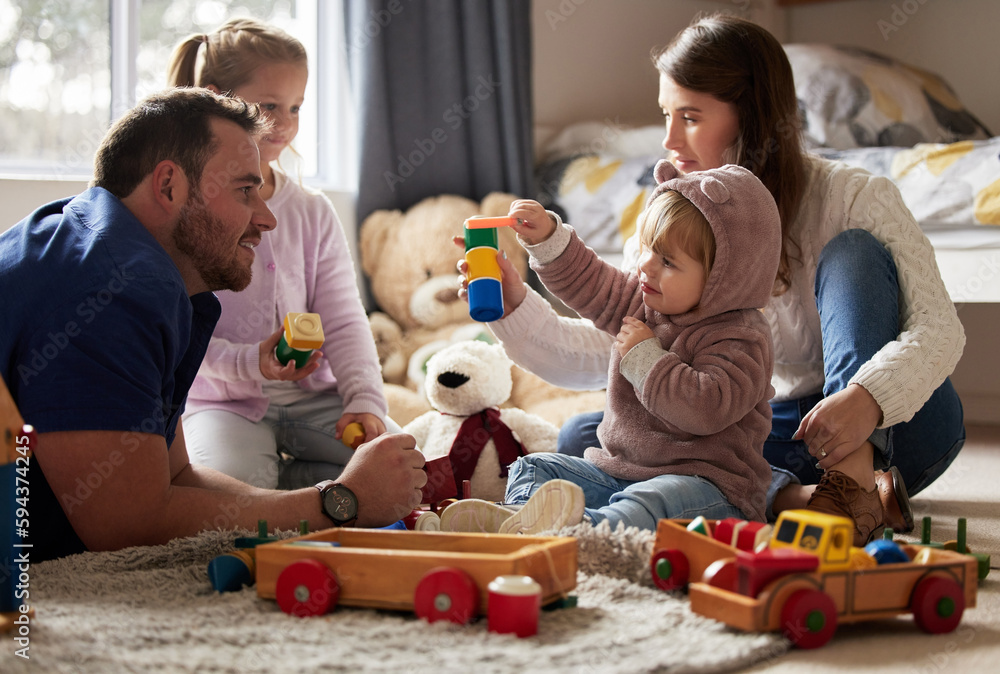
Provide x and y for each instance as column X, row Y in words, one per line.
column 689, row 383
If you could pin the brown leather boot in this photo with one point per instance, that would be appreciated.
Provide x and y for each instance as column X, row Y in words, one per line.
column 838, row 494
column 895, row 501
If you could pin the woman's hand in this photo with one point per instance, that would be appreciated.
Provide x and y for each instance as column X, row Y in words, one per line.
column 513, row 286
column 633, row 331
column 839, row 424
column 272, row 368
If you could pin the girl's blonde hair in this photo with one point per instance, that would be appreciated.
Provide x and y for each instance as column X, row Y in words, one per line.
column 671, row 223
column 228, row 57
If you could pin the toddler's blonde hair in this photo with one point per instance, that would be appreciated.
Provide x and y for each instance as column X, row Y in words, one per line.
column 671, row 222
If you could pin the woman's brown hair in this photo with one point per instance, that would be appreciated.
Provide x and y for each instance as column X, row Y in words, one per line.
column 739, row 62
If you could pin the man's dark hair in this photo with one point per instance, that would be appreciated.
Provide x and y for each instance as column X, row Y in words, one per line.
column 173, row 124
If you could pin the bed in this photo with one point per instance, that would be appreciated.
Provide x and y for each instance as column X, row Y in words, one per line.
column 859, row 107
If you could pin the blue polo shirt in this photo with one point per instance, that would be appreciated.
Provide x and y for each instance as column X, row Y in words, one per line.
column 98, row 333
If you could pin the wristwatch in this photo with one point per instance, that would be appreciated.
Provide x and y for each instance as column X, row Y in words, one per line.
column 338, row 503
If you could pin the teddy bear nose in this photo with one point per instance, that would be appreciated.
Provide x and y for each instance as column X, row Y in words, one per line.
column 446, row 295
column 452, row 379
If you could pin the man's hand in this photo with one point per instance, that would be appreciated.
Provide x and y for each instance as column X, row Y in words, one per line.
column 386, row 475
column 633, row 331
column 272, row 368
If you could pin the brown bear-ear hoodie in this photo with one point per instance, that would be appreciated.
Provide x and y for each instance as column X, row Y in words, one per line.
column 694, row 400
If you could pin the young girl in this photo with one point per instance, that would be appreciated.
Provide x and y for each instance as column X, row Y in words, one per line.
column 247, row 414
column 690, row 378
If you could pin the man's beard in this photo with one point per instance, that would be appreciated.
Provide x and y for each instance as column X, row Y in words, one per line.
column 201, row 236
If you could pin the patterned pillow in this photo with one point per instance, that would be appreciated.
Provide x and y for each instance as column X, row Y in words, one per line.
column 850, row 98
column 599, row 194
column 944, row 185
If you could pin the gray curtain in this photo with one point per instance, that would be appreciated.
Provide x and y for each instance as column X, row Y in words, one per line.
column 443, row 90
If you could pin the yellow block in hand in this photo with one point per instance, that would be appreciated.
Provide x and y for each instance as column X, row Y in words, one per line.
column 303, row 331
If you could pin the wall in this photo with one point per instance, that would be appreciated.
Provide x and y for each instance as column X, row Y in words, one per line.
column 953, row 38
column 592, row 58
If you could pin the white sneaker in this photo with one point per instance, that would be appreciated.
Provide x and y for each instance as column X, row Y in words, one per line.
column 473, row 515
column 556, row 504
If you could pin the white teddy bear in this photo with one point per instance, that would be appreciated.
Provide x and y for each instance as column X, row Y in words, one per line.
column 468, row 436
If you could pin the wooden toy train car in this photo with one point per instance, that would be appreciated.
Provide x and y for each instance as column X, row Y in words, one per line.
column 439, row 576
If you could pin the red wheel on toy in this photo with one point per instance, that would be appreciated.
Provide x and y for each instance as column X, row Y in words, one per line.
column 446, row 593
column 937, row 605
column 809, row 618
column 671, row 569
column 306, row 588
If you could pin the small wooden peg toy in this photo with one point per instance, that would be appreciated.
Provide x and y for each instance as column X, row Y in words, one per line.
column 514, row 603
column 232, row 570
column 303, row 333
column 700, row 525
column 354, row 435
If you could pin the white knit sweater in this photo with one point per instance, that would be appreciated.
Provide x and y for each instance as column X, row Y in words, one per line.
column 901, row 377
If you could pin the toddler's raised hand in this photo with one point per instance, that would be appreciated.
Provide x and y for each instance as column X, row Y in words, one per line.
column 633, row 331
column 533, row 224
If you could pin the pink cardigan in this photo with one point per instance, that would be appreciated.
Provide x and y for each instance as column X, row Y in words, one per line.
column 304, row 264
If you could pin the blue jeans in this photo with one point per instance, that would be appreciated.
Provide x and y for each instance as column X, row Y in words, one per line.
column 634, row 503
column 857, row 296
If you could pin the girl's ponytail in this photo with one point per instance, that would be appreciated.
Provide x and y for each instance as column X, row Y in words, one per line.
column 183, row 61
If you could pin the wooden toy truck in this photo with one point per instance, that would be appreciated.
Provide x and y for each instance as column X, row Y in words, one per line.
column 439, row 576
column 810, row 578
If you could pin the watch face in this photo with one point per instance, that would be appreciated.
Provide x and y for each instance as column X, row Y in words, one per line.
column 340, row 504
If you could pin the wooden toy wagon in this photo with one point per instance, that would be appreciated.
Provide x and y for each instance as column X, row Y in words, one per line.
column 809, row 579
column 439, row 576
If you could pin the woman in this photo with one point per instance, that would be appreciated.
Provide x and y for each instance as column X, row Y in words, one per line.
column 865, row 334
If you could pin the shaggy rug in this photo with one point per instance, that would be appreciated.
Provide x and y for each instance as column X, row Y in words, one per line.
column 153, row 609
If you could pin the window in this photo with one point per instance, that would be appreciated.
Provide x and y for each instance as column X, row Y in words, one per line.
column 69, row 67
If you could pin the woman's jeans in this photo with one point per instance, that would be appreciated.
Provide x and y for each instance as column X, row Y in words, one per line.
column 633, row 503
column 857, row 296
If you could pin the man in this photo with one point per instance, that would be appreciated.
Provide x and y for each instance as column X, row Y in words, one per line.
column 108, row 312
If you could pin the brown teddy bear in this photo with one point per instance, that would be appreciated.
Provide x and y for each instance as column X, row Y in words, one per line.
column 411, row 264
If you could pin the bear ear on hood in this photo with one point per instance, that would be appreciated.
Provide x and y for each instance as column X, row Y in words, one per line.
column 664, row 171
column 715, row 190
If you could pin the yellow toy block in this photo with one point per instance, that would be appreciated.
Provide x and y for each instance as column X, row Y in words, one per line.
column 303, row 331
